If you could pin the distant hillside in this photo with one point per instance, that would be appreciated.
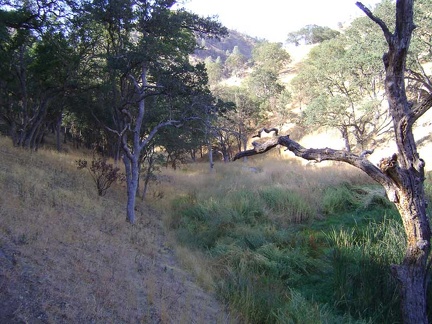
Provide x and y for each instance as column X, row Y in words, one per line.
column 215, row 48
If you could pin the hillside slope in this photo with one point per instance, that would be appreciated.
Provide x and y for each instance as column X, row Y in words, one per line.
column 215, row 48
column 68, row 256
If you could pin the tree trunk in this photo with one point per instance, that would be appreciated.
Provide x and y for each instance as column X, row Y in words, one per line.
column 413, row 272
column 344, row 132
column 148, row 175
column 132, row 176
column 58, row 131
column 244, row 146
column 210, row 154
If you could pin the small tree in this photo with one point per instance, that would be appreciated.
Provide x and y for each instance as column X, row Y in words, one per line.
column 235, row 62
column 402, row 174
column 340, row 82
column 270, row 56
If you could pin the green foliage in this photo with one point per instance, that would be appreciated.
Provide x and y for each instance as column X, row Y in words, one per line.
column 38, row 69
column 270, row 57
column 306, row 270
column 235, row 62
column 341, row 84
column 311, row 34
column 214, row 69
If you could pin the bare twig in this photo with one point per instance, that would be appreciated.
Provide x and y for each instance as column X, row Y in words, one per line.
column 267, row 130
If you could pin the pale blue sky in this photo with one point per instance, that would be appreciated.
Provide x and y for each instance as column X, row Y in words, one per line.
column 274, row 19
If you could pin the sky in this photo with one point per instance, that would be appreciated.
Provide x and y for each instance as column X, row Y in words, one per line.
column 274, row 19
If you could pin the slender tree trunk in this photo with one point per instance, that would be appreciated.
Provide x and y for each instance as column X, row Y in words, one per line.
column 244, row 146
column 344, row 132
column 65, row 135
column 58, row 131
column 209, row 141
column 13, row 133
column 148, row 175
column 132, row 176
column 210, row 154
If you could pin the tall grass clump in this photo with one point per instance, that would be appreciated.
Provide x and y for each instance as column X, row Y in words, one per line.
column 361, row 259
column 288, row 204
column 290, row 253
column 338, row 199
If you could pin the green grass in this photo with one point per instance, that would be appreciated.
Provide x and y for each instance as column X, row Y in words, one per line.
column 313, row 254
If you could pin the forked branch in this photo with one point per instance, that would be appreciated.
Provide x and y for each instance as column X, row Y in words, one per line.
column 378, row 21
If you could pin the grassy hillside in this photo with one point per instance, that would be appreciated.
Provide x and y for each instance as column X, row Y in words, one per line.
column 278, row 242
column 68, row 256
column 215, row 48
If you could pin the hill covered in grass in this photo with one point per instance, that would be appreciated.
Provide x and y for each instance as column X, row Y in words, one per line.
column 221, row 48
column 68, row 255
column 273, row 240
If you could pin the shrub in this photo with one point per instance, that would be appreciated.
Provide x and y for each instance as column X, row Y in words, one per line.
column 103, row 173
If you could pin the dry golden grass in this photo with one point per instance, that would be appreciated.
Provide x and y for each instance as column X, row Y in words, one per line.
column 258, row 172
column 68, row 256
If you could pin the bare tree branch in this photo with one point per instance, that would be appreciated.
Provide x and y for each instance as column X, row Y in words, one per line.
column 319, row 155
column 153, row 132
column 387, row 34
column 119, row 133
column 421, row 108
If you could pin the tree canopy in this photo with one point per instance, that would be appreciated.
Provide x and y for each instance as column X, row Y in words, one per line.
column 311, row 34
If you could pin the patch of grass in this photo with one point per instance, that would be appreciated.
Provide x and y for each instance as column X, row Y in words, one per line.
column 287, row 203
column 360, row 258
column 339, row 199
column 285, row 253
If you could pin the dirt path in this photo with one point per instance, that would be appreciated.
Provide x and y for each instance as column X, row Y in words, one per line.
column 174, row 293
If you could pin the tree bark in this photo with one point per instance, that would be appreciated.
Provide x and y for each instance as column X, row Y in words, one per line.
column 57, row 132
column 132, row 175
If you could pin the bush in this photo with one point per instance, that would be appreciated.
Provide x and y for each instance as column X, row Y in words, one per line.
column 103, row 173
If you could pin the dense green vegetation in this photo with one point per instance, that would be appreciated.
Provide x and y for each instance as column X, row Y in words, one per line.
column 284, row 254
